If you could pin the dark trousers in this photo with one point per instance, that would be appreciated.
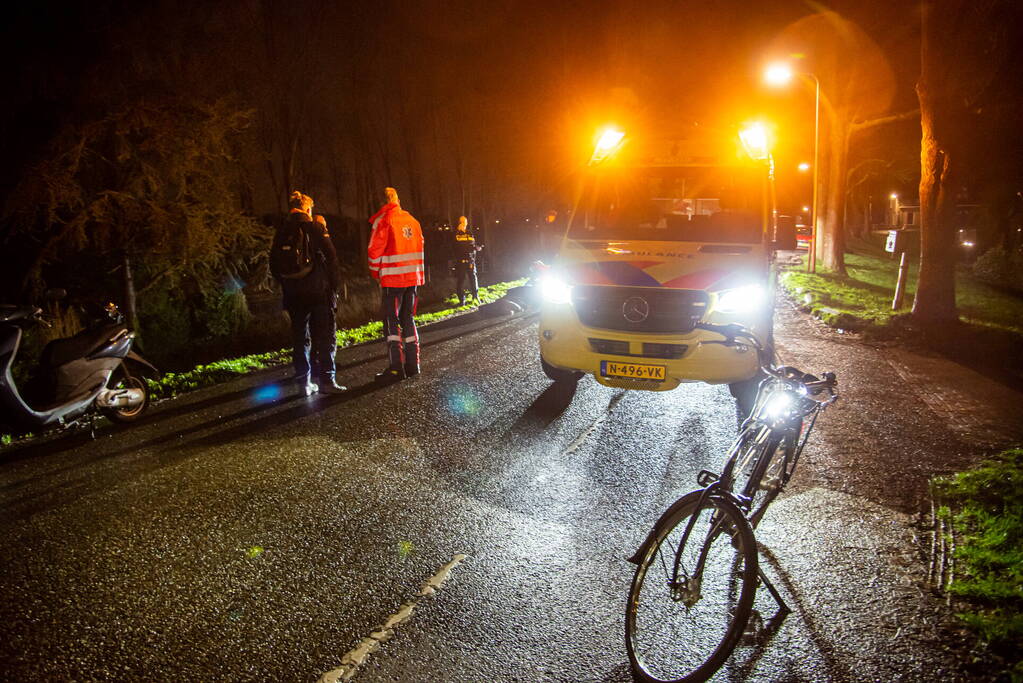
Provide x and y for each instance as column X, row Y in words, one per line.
column 398, row 308
column 465, row 274
column 314, row 339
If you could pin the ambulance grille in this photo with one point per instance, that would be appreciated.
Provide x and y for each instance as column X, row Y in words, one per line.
column 617, row 347
column 639, row 309
column 610, row 346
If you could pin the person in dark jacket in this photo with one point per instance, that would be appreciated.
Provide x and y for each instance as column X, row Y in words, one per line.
column 310, row 293
column 465, row 262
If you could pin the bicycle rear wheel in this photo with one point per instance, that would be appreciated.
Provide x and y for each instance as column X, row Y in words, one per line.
column 682, row 626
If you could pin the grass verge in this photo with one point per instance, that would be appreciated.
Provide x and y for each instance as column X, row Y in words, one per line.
column 989, row 336
column 984, row 509
column 175, row 383
column 862, row 300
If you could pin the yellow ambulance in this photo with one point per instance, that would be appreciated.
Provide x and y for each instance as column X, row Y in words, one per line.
column 663, row 235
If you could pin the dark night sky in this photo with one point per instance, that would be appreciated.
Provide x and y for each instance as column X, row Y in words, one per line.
column 508, row 93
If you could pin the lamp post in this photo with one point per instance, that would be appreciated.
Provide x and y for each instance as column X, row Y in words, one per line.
column 608, row 143
column 780, row 75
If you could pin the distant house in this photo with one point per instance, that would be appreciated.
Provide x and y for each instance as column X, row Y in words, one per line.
column 971, row 219
column 907, row 216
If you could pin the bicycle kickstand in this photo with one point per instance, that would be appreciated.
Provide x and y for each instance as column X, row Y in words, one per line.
column 782, row 606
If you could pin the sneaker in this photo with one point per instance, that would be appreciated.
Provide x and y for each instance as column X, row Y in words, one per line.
column 330, row 387
column 306, row 387
column 390, row 375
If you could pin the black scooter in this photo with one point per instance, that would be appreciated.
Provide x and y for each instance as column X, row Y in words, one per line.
column 81, row 375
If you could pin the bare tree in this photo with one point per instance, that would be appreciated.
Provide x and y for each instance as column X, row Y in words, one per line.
column 857, row 87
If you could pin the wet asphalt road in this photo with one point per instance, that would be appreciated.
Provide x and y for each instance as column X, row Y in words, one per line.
column 247, row 533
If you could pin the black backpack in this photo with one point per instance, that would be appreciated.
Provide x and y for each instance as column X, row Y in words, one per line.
column 291, row 257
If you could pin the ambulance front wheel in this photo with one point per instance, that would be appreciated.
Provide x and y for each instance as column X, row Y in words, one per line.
column 559, row 375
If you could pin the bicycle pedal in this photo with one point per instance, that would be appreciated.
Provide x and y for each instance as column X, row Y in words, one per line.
column 706, row 477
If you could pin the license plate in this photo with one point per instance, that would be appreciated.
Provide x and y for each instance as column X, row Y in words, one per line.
column 656, row 373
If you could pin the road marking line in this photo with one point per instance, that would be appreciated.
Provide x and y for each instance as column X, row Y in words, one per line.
column 578, row 441
column 357, row 656
column 437, row 581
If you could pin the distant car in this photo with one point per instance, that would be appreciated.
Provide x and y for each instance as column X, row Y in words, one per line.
column 803, row 236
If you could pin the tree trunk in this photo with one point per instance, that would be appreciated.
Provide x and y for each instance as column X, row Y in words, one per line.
column 935, row 293
column 832, row 247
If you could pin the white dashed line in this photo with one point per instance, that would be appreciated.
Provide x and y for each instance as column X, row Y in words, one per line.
column 578, row 441
column 357, row 656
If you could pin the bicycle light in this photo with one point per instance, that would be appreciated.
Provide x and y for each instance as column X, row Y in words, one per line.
column 780, row 403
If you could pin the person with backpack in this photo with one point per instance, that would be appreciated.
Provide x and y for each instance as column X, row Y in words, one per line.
column 396, row 260
column 303, row 261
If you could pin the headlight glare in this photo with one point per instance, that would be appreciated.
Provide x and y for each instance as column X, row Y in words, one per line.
column 555, row 290
column 740, row 300
column 778, row 404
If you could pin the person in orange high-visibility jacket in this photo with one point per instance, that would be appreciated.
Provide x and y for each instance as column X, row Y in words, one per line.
column 396, row 260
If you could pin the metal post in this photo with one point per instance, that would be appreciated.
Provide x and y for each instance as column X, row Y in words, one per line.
column 900, row 284
column 811, row 265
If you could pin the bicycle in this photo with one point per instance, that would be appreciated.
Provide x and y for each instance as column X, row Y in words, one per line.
column 698, row 569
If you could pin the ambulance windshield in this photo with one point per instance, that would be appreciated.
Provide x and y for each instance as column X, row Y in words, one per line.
column 687, row 204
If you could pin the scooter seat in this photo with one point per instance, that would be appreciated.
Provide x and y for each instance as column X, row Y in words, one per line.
column 61, row 351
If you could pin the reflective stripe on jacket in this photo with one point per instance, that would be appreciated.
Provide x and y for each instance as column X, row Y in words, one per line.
column 396, row 248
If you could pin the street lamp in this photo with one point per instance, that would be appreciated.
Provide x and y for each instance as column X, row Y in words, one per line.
column 779, row 75
column 754, row 138
column 608, row 143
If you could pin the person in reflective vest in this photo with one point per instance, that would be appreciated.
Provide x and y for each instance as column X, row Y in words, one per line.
column 396, row 261
column 465, row 262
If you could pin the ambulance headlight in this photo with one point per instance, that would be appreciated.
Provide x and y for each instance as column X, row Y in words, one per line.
column 741, row 299
column 555, row 290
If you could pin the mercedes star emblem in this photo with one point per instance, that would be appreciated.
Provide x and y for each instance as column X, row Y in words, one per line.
column 635, row 309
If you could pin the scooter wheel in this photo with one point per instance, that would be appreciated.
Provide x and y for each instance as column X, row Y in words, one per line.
column 125, row 415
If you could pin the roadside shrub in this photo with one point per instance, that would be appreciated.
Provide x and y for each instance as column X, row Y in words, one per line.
column 164, row 323
column 225, row 312
column 1000, row 268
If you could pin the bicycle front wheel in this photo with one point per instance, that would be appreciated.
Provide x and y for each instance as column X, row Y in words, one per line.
column 692, row 593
